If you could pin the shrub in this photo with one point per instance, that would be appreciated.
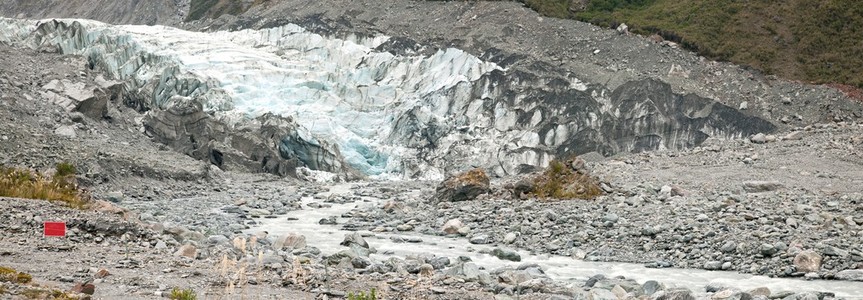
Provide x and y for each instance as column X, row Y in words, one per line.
column 23, row 183
column 561, row 181
column 10, row 275
column 182, row 294
column 363, row 296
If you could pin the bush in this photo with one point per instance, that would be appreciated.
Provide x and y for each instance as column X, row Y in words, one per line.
column 10, row 275
column 561, row 181
column 182, row 294
column 22, row 183
column 363, row 296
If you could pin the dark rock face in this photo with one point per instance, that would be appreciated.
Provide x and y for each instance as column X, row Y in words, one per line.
column 463, row 187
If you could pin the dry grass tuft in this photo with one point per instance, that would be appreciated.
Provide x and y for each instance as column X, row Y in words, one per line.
column 13, row 276
column 562, row 181
column 62, row 187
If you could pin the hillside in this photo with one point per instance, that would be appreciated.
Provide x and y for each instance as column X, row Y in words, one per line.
column 813, row 41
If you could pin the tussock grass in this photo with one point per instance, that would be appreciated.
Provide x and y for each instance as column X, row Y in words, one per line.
column 561, row 181
column 62, row 187
column 182, row 294
column 11, row 275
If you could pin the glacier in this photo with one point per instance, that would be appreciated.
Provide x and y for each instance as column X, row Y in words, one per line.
column 390, row 114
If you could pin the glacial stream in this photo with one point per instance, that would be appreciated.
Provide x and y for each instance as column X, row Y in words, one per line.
column 559, row 268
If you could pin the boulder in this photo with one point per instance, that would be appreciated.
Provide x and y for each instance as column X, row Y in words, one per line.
column 187, row 250
column 463, row 187
column 506, row 254
column 674, row 294
column 290, row 242
column 355, row 238
column 452, row 226
column 808, row 261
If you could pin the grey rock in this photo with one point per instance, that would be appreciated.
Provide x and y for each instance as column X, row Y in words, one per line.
column 360, row 262
column 674, row 294
column 730, row 294
column 850, row 275
column 768, row 250
column 506, row 254
column 652, row 286
column 509, row 238
column 354, row 239
column 712, row 265
column 758, row 138
column 439, row 263
column 479, row 239
column 66, row 131
column 728, row 247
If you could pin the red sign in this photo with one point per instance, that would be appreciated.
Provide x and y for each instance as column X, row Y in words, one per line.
column 55, row 229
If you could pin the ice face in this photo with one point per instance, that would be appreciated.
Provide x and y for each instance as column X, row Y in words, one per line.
column 340, row 90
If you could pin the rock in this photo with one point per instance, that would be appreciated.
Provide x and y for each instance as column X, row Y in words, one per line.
column 622, row 28
column 405, row 227
column 761, row 186
column 768, row 250
column 439, row 262
column 452, row 226
column 714, row 287
column 728, row 247
column 426, row 270
column 257, row 212
column 187, row 250
column 290, row 242
column 674, row 294
column 759, row 291
column 479, row 239
column 463, row 187
column 743, row 105
column 355, row 238
column 850, row 275
column 758, row 138
column 597, row 294
column 360, row 262
column 506, row 254
column 84, row 288
column 807, row 261
column 730, row 294
column 509, row 238
column 610, row 217
column 66, row 131
column 652, row 286
column 833, row 251
column 115, row 196
column 713, row 265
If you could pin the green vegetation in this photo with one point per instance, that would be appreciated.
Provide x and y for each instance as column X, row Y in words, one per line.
column 62, row 187
column 817, row 41
column 182, row 294
column 560, row 181
column 10, row 275
column 363, row 296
